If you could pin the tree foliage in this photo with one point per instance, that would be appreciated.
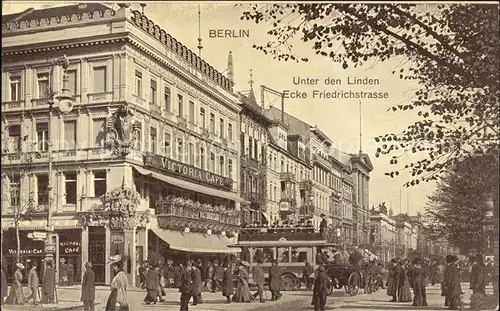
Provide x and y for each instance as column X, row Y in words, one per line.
column 451, row 50
column 457, row 209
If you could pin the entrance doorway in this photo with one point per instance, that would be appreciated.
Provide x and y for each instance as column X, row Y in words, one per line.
column 97, row 252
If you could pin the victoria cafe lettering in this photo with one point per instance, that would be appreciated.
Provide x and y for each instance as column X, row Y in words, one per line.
column 188, row 171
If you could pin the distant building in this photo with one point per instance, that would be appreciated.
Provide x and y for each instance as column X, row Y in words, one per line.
column 382, row 233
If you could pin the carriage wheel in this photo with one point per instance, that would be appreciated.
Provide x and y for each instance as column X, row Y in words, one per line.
column 353, row 284
column 288, row 282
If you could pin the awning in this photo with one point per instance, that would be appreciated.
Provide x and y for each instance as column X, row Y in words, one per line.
column 189, row 185
column 266, row 216
column 195, row 242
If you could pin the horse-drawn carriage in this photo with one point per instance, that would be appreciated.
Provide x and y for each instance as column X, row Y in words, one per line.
column 350, row 278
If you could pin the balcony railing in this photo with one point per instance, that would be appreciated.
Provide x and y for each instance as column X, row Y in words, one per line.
column 179, row 207
column 287, row 176
column 322, row 161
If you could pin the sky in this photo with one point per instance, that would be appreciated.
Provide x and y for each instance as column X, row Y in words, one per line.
column 337, row 118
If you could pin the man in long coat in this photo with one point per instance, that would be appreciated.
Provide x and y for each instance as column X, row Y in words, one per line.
column 392, row 281
column 196, row 286
column 275, row 280
column 88, row 288
column 320, row 290
column 259, row 280
column 185, row 283
column 451, row 288
column 33, row 283
column 48, row 283
column 227, row 282
column 152, row 285
column 478, row 280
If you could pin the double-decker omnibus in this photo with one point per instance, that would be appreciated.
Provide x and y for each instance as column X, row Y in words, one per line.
column 291, row 247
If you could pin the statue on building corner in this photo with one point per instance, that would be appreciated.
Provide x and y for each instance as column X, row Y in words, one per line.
column 122, row 131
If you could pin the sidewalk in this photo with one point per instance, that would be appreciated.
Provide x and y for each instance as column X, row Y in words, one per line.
column 61, row 306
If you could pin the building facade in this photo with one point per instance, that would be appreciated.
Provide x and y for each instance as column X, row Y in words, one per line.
column 152, row 124
column 382, row 233
column 253, row 173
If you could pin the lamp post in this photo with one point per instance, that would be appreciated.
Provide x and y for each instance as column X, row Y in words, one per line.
column 65, row 104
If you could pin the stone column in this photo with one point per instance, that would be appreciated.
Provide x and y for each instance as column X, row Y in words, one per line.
column 84, row 248
column 129, row 251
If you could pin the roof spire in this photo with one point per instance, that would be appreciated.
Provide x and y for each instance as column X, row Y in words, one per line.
column 200, row 46
column 230, row 69
column 143, row 5
column 251, row 79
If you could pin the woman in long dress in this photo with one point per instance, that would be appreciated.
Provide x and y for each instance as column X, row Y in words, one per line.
column 16, row 295
column 118, row 300
column 418, row 281
column 404, row 294
column 242, row 290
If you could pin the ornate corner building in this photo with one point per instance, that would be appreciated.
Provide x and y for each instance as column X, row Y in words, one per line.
column 146, row 161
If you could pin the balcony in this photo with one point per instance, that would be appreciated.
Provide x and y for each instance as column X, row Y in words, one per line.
column 321, row 161
column 186, row 208
column 287, row 176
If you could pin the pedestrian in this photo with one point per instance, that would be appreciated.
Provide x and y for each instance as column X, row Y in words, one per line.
column 450, row 287
column 161, row 283
column 169, row 275
column 33, row 283
column 308, row 274
column 242, row 293
column 185, row 283
column 88, row 288
column 48, row 283
column 275, row 280
column 392, row 280
column 404, row 294
column 227, row 281
column 4, row 284
column 16, row 295
column 320, row 290
column 63, row 273
column 118, row 299
column 152, row 285
column 259, row 279
column 418, row 280
column 478, row 279
column 196, row 286
column 177, row 274
column 323, row 225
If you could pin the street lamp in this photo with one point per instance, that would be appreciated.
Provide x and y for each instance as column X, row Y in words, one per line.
column 65, row 104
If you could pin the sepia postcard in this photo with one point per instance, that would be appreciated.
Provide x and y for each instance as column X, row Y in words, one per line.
column 239, row 155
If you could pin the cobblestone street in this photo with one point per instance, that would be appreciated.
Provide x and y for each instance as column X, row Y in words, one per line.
column 291, row 301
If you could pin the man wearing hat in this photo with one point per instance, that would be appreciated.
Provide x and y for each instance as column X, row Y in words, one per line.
column 320, row 290
column 16, row 295
column 259, row 279
column 88, row 288
column 48, row 282
column 275, row 280
column 451, row 288
column 33, row 283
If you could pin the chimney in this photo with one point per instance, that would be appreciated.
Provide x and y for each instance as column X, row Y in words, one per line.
column 230, row 69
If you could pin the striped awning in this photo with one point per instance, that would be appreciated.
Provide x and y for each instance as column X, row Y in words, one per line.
column 195, row 242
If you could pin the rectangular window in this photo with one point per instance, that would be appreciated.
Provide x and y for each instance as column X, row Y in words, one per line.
column 152, row 140
column 42, row 134
column 180, row 103
column 99, row 129
column 230, row 131
column 230, row 168
column 211, row 167
column 212, row 123
column 72, row 80
column 42, row 189
column 138, row 84
column 43, row 85
column 191, row 111
column 221, row 128
column 152, row 92
column 167, row 99
column 15, row 138
column 202, row 158
column 191, row 154
column 180, row 149
column 15, row 88
column 202, row 118
column 69, row 135
column 221, row 165
column 99, row 79
column 15, row 193
column 99, row 183
column 256, row 149
column 167, row 140
column 70, row 183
